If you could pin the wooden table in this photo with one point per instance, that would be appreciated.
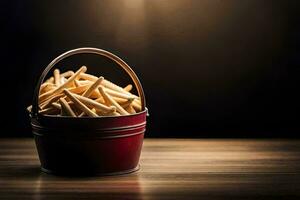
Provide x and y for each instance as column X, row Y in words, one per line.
column 170, row 169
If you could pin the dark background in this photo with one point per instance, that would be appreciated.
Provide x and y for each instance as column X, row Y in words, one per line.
column 210, row 68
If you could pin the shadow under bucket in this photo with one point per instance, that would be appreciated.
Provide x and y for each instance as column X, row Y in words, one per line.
column 89, row 145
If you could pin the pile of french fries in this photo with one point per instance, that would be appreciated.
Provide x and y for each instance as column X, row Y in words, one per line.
column 78, row 94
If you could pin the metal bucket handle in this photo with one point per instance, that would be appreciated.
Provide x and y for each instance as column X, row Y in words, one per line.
column 90, row 50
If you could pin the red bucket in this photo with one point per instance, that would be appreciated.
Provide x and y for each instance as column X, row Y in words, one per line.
column 88, row 146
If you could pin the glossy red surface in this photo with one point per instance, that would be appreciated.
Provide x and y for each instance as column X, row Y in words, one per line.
column 88, row 146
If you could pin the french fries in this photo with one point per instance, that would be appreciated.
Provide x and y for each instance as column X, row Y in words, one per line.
column 56, row 75
column 66, row 107
column 59, row 89
column 128, row 88
column 80, row 105
column 78, row 94
column 110, row 101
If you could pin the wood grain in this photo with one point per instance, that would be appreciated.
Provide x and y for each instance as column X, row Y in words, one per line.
column 170, row 169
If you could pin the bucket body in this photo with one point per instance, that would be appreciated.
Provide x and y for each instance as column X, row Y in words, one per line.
column 89, row 146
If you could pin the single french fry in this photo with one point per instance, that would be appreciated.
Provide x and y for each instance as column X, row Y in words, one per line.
column 48, row 95
column 88, row 77
column 63, row 80
column 128, row 88
column 118, row 94
column 79, row 89
column 127, row 103
column 45, row 87
column 84, row 82
column 29, row 108
column 111, row 114
column 120, row 100
column 92, row 103
column 138, row 101
column 82, row 88
column 111, row 101
column 115, row 87
column 45, row 96
column 112, row 86
column 77, row 83
column 95, row 94
column 49, row 111
column 82, row 114
column 50, row 80
column 74, row 108
column 100, row 100
column 93, row 87
column 104, row 98
column 130, row 109
column 63, row 112
column 136, row 106
column 56, row 105
column 66, row 107
column 80, row 105
column 67, row 74
column 45, row 84
column 50, row 101
column 49, row 88
column 94, row 110
column 56, row 77
column 115, row 114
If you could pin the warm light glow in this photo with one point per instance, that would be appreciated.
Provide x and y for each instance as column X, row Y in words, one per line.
column 132, row 25
column 140, row 20
column 134, row 4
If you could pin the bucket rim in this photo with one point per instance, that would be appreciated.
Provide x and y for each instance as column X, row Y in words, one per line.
column 83, row 135
column 88, row 117
column 111, row 129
